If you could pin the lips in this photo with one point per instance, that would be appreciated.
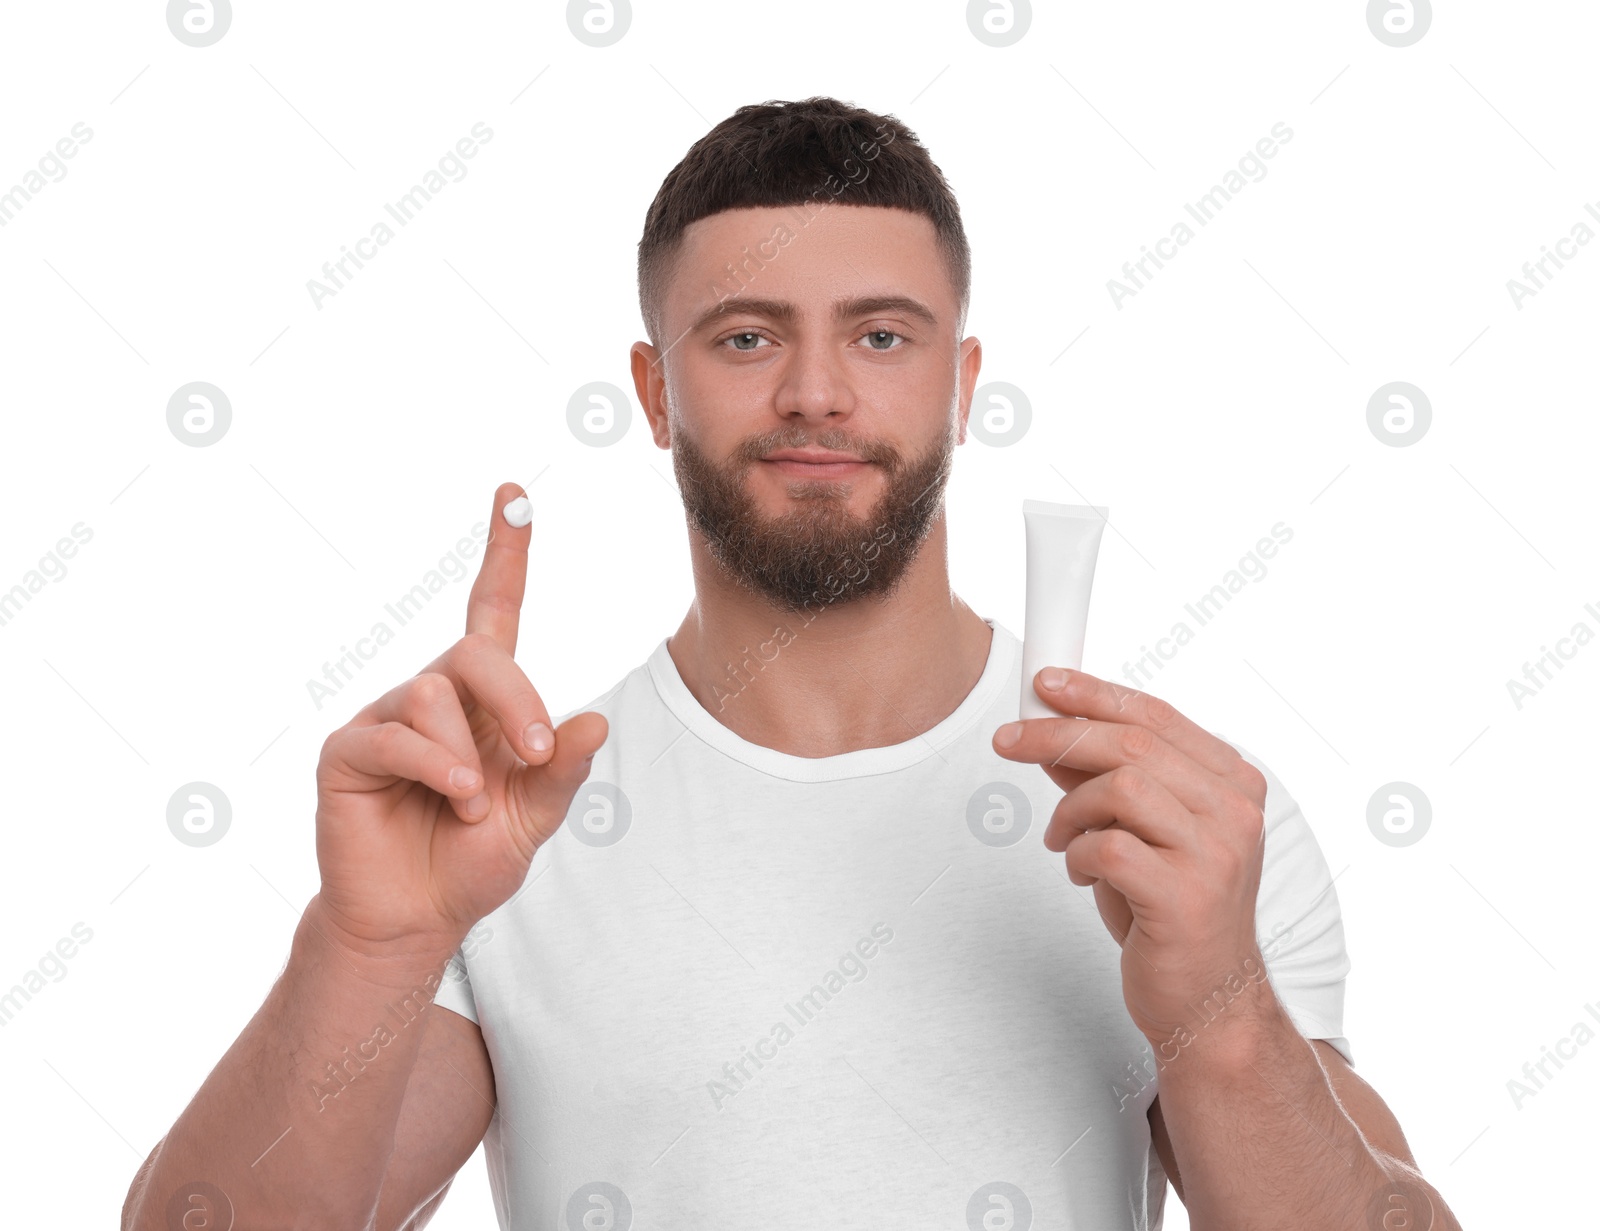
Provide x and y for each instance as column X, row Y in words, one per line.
column 798, row 465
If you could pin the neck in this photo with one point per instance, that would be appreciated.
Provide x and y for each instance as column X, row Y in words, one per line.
column 862, row 673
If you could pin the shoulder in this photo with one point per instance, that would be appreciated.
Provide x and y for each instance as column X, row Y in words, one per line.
column 613, row 700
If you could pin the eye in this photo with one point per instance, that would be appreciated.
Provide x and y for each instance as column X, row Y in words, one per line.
column 744, row 335
column 882, row 334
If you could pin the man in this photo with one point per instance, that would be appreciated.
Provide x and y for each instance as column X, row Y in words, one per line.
column 790, row 964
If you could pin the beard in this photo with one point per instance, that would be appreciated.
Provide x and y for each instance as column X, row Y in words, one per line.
column 816, row 552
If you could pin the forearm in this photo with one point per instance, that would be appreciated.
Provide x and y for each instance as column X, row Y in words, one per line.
column 296, row 1123
column 1260, row 1138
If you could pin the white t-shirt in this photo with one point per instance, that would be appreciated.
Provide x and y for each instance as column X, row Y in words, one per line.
column 741, row 988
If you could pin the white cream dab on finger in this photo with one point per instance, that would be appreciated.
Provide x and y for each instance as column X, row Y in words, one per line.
column 519, row 512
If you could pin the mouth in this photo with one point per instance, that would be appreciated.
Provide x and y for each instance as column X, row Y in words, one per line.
column 814, row 465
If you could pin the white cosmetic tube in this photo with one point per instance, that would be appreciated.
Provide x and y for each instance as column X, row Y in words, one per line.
column 1063, row 543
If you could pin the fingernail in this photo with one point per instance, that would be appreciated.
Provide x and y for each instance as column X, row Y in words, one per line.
column 538, row 737
column 1053, row 678
column 462, row 778
column 478, row 805
column 1008, row 734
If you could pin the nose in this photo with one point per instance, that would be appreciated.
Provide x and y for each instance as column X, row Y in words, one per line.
column 813, row 385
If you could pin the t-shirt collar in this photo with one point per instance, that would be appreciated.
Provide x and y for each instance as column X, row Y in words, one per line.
column 862, row 762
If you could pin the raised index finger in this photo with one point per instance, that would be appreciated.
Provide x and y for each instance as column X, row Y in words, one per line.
column 495, row 604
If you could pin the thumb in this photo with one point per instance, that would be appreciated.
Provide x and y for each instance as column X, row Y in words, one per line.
column 541, row 794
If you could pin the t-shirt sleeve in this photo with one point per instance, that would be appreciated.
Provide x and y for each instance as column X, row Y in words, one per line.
column 455, row 989
column 1298, row 924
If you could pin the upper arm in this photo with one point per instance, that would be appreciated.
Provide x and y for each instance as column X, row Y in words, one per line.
column 448, row 1105
column 1367, row 1111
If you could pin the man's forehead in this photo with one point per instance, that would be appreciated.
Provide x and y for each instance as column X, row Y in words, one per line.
column 800, row 252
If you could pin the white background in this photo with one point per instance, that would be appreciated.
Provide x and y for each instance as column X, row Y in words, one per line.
column 367, row 436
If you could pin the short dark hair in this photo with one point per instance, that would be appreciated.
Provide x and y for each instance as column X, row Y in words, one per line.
column 787, row 153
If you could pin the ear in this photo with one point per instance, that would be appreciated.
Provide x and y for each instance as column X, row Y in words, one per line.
column 970, row 359
column 650, row 383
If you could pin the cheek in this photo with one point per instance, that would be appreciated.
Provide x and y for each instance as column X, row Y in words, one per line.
column 730, row 400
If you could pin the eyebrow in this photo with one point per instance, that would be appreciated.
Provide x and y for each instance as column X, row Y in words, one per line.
column 783, row 311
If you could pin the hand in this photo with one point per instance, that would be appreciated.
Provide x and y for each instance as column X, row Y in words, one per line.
column 432, row 800
column 1165, row 821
